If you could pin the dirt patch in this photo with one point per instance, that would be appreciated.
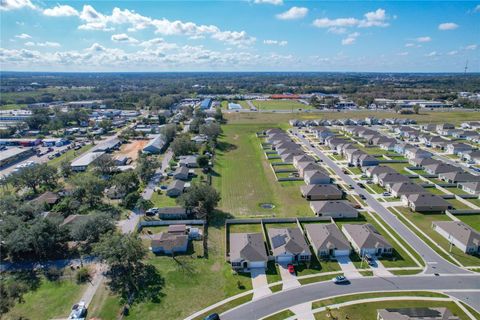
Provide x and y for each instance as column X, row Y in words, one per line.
column 216, row 267
column 131, row 149
column 235, row 137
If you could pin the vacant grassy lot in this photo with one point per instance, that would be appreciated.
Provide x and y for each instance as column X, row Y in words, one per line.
column 368, row 311
column 52, row 299
column 279, row 105
column 70, row 155
column 399, row 167
column 245, row 179
column 424, row 223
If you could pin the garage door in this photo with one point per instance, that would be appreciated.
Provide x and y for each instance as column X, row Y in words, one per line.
column 257, row 264
column 342, row 253
column 284, row 259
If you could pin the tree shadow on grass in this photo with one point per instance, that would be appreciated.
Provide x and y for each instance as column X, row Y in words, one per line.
column 224, row 146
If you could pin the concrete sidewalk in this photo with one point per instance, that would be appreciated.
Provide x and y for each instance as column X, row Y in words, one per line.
column 289, row 280
column 259, row 283
column 348, row 267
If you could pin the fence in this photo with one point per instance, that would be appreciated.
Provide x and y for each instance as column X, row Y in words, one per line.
column 159, row 223
column 463, row 212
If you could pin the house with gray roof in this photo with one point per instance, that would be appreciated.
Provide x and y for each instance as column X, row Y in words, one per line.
column 389, row 178
column 334, row 208
column 420, row 162
column 458, row 148
column 247, row 251
column 302, row 158
column 169, row 243
column 307, row 166
column 415, row 152
column 288, row 245
column 175, row 188
column 460, row 235
column 472, row 157
column 426, row 202
column 458, row 176
column 188, row 161
column 82, row 163
column 415, row 314
column 441, row 167
column 365, row 239
column 366, row 160
column 316, row 177
column 156, row 145
column 321, row 192
column 181, row 173
column 406, row 188
column 472, row 187
column 288, row 156
column 376, row 170
column 327, row 240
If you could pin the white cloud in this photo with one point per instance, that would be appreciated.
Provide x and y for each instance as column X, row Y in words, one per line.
column 447, row 26
column 293, row 13
column 46, row 44
column 377, row 18
column 471, row 47
column 403, row 53
column 452, row 53
column 280, row 43
column 274, row 2
column 337, row 30
column 61, row 11
column 350, row 39
column 423, row 39
column 234, row 37
column 432, row 54
column 7, row 5
column 123, row 37
column 23, row 36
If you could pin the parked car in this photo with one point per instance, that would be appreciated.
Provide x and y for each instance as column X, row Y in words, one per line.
column 213, row 316
column 291, row 268
column 152, row 211
column 363, row 197
column 369, row 260
column 79, row 311
column 361, row 185
column 369, row 181
column 350, row 187
column 387, row 194
column 340, row 279
column 346, row 171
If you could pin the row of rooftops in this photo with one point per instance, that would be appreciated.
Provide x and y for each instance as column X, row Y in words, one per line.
column 346, row 122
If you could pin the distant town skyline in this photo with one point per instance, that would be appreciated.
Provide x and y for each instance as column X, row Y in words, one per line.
column 254, row 35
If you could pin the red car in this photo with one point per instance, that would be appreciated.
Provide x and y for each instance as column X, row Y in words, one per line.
column 291, row 268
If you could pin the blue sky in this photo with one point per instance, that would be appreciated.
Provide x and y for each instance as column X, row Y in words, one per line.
column 250, row 35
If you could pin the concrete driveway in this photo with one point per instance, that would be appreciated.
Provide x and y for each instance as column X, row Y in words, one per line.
column 289, row 280
column 259, row 283
column 379, row 269
column 348, row 268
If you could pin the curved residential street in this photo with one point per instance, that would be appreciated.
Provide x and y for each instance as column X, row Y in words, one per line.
column 276, row 302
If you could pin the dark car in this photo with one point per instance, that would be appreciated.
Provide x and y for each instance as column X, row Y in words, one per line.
column 213, row 316
column 361, row 185
column 362, row 197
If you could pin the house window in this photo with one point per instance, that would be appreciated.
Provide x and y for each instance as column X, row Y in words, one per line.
column 236, row 264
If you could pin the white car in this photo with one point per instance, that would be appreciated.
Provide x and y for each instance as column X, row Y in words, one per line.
column 79, row 311
column 340, row 279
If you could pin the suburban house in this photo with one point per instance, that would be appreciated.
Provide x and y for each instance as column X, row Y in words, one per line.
column 389, row 178
column 323, row 133
column 441, row 167
column 375, row 171
column 472, row 157
column 421, row 162
column 48, row 198
column 471, row 187
column 406, row 188
column 366, row 160
column 458, row 176
column 365, row 239
column 288, row 245
column 415, row 314
column 82, row 163
column 327, row 240
column 181, row 173
column 288, row 156
column 175, row 188
column 426, row 202
column 460, row 235
column 321, row 192
column 458, row 148
column 247, row 250
column 301, row 158
column 334, row 209
column 316, row 177
column 188, row 161
column 412, row 153
column 169, row 243
column 307, row 166
column 444, row 128
column 156, row 145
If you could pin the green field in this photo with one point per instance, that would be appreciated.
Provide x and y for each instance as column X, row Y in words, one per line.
column 70, row 155
column 52, row 299
column 245, row 179
column 399, row 167
column 12, row 106
column 368, row 311
column 280, row 105
column 473, row 220
column 424, row 223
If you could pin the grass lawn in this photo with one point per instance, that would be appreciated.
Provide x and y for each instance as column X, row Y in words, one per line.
column 368, row 311
column 399, row 167
column 473, row 220
column 280, row 105
column 280, row 315
column 457, row 204
column 455, row 190
column 424, row 223
column 162, row 200
column 375, row 187
column 52, row 299
column 245, row 179
column 12, row 106
column 70, row 155
column 434, row 190
column 104, row 305
column 355, row 170
column 474, row 201
column 242, row 228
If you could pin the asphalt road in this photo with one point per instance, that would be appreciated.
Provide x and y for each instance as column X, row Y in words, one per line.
column 262, row 307
column 435, row 263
